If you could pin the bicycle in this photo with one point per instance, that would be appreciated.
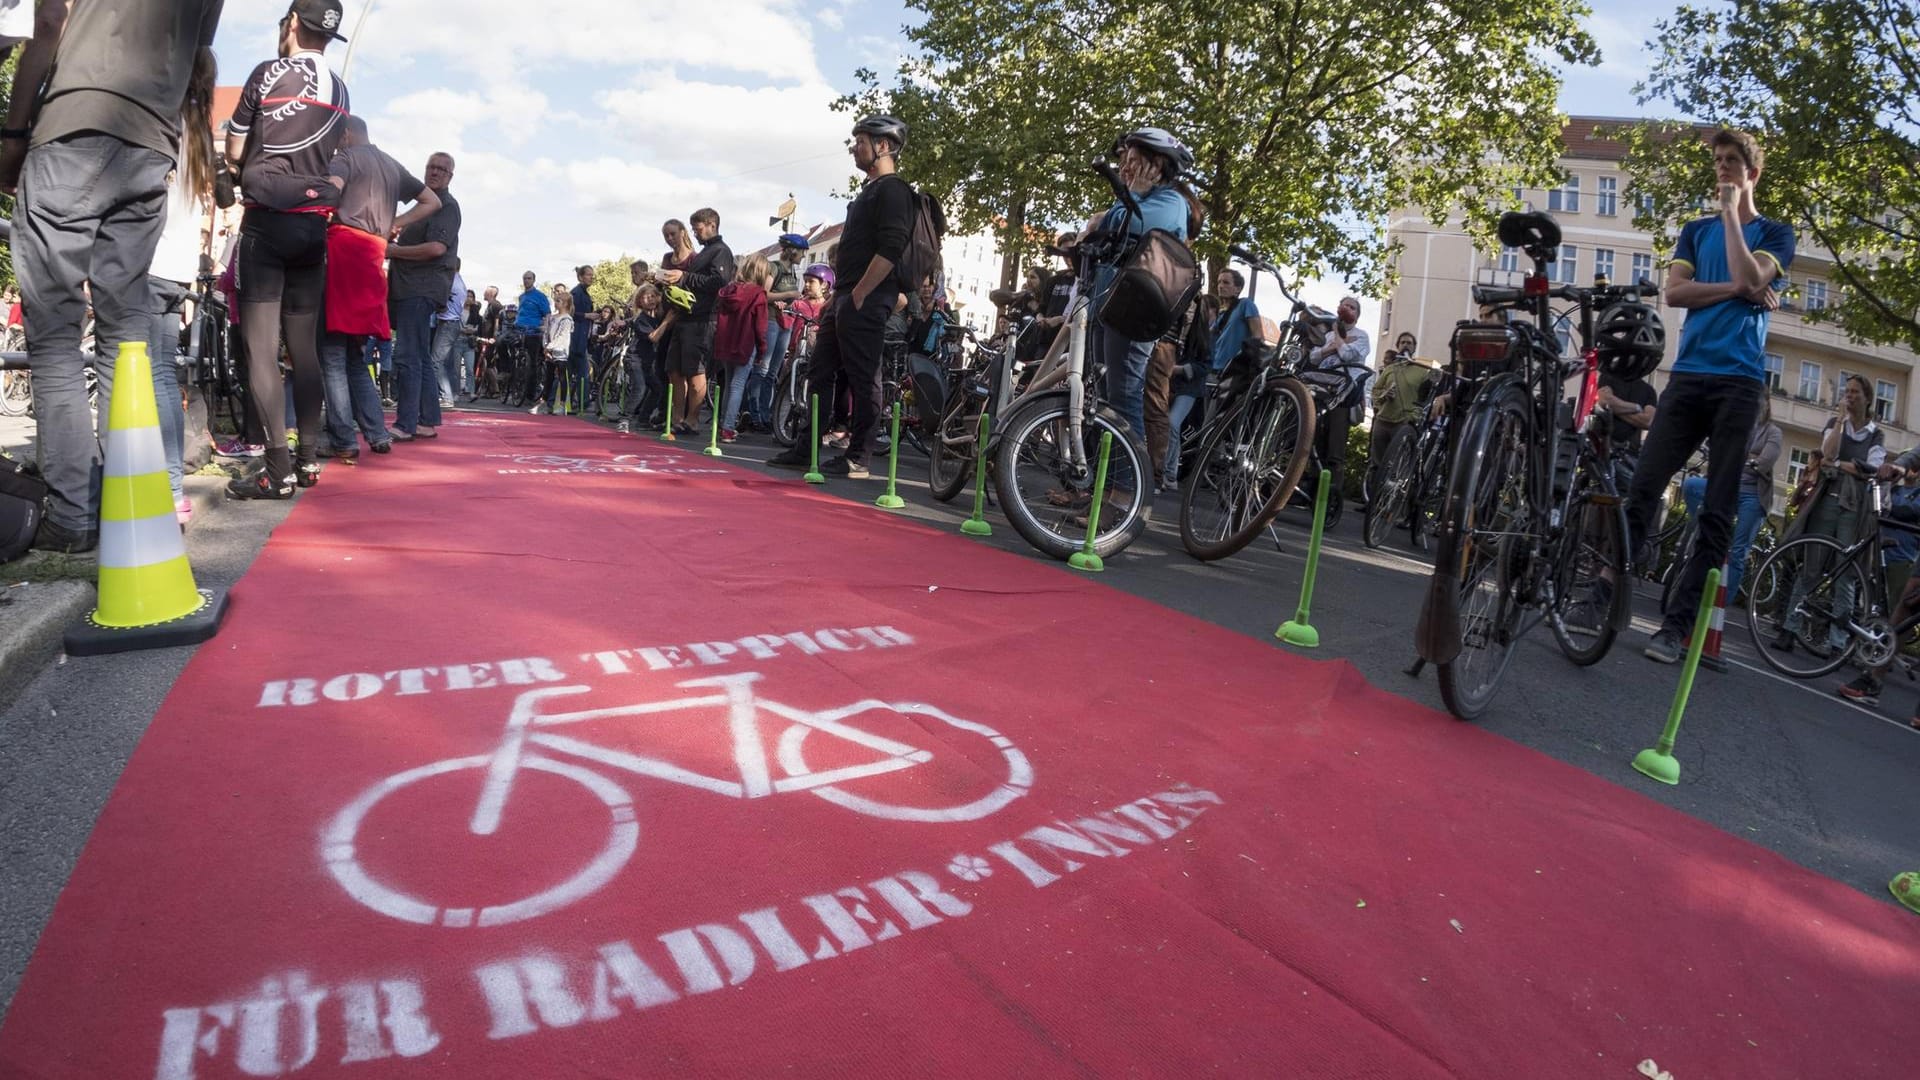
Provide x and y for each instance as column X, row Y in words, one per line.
column 1820, row 587
column 1247, row 461
column 16, row 385
column 209, row 339
column 529, row 744
column 790, row 406
column 1532, row 528
column 987, row 379
column 1412, row 480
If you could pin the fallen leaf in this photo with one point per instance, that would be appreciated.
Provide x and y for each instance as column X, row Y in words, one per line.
column 1360, row 904
column 1457, row 928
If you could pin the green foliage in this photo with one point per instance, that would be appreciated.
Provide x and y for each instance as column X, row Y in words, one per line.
column 1832, row 88
column 1311, row 122
column 611, row 284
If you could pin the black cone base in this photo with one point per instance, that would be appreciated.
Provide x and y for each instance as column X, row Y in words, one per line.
column 88, row 638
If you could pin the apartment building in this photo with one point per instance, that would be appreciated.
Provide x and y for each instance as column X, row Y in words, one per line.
column 1805, row 361
column 971, row 264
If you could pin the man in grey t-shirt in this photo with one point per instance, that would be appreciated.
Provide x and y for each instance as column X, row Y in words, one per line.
column 418, row 284
column 110, row 78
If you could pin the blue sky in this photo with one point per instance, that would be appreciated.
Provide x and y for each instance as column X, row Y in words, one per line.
column 579, row 126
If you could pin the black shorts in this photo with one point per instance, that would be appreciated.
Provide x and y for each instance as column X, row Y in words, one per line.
column 690, row 347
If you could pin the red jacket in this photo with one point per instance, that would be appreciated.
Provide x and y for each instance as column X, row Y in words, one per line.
column 742, row 329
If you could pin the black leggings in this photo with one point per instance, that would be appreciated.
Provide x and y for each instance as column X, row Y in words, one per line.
column 282, row 278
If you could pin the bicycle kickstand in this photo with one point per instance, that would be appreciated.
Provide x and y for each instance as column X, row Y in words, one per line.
column 1419, row 665
column 1275, row 534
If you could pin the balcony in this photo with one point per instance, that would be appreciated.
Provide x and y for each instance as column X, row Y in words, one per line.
column 1790, row 322
column 1792, row 411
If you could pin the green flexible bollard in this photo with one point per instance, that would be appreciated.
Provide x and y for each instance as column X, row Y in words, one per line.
column 666, row 432
column 977, row 524
column 892, row 500
column 713, row 439
column 813, row 443
column 1085, row 559
column 1297, row 630
column 1658, row 762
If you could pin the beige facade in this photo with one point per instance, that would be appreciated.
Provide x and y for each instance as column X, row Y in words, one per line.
column 1805, row 360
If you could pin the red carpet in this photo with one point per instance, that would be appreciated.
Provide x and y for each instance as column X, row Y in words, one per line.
column 521, row 757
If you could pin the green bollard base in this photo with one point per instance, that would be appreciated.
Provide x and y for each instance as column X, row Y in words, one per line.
column 890, row 502
column 1086, row 560
column 1655, row 765
column 714, row 451
column 976, row 527
column 815, row 478
column 1299, row 634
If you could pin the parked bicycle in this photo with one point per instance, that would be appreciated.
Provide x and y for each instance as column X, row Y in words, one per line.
column 1533, row 529
column 1412, row 479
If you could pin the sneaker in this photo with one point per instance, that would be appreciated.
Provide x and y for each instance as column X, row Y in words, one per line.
column 793, row 457
column 307, row 475
column 535, row 411
column 836, row 440
column 62, row 540
column 1664, row 646
column 383, row 447
column 259, row 485
column 1865, row 690
column 347, row 457
column 183, row 510
column 624, row 427
column 728, row 434
column 236, row 448
column 845, row 466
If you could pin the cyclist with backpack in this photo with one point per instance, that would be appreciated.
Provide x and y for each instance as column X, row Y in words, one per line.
column 880, row 225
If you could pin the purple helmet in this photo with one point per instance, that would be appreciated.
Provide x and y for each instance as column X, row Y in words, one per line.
column 821, row 271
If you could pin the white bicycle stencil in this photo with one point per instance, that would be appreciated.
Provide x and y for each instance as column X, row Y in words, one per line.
column 529, row 733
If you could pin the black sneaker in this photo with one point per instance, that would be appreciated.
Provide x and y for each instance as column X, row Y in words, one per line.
column 62, row 540
column 845, row 466
column 383, row 447
column 1665, row 646
column 1864, row 690
column 308, row 475
column 793, row 457
column 259, row 486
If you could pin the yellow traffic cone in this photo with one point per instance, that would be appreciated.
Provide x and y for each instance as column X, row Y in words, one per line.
column 147, row 595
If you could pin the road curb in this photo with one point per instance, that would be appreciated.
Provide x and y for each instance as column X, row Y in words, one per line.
column 33, row 618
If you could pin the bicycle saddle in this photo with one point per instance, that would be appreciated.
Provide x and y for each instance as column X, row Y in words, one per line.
column 1529, row 231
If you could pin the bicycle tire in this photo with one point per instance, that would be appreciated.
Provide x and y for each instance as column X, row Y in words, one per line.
column 16, row 392
column 1246, row 467
column 1031, row 469
column 1397, row 477
column 613, row 388
column 921, row 416
column 789, row 416
column 1484, row 491
column 1594, row 540
column 948, row 468
column 1768, row 621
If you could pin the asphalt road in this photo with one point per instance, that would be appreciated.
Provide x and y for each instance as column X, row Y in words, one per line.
column 1787, row 765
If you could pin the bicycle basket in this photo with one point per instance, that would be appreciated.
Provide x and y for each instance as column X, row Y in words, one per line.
column 1481, row 350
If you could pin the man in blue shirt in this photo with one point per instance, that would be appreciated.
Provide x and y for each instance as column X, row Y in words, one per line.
column 530, row 322
column 1723, row 273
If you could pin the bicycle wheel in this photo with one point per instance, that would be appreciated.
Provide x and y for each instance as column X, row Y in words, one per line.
column 845, row 746
column 1487, row 507
column 1245, row 470
column 1760, row 583
column 1387, row 505
column 921, row 413
column 16, row 392
column 613, row 389
column 1817, row 590
column 952, row 445
column 1046, row 495
column 790, row 418
column 1591, row 563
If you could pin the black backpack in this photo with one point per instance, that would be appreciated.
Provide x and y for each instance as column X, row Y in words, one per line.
column 921, row 259
column 1153, row 288
column 23, row 498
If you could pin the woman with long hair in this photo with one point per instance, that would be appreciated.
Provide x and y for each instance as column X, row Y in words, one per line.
column 1839, row 508
column 176, row 263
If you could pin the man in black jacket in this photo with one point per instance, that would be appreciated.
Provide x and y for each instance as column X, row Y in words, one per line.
column 691, row 346
column 879, row 224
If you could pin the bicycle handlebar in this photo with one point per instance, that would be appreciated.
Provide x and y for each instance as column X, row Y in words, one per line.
column 1112, row 176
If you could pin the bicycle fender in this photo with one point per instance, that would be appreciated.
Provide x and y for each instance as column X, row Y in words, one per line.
column 1436, row 637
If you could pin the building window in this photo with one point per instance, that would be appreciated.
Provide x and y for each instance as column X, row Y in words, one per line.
column 1816, row 294
column 1642, row 268
column 1646, row 205
column 1775, row 365
column 1510, row 260
column 1566, row 266
column 1607, row 202
column 1797, row 462
column 1886, row 398
column 1809, row 382
column 1603, row 263
column 1566, row 197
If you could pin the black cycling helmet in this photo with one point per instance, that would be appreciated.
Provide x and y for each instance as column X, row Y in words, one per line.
column 891, row 128
column 1159, row 141
column 1630, row 340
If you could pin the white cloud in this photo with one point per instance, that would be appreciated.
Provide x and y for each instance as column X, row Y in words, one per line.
column 1623, row 47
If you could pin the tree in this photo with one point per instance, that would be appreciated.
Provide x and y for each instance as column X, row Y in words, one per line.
column 611, row 285
column 1832, row 89
column 1311, row 122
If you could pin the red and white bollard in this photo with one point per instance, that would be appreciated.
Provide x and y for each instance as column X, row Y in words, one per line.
column 1710, row 652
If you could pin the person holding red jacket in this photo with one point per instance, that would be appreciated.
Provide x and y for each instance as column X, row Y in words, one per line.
column 741, row 335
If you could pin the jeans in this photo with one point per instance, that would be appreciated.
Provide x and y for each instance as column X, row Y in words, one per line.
column 1177, row 414
column 352, row 397
column 446, row 341
column 1718, row 410
column 1127, row 377
column 168, row 298
column 90, row 209
column 737, row 378
column 766, row 372
column 579, row 374
column 463, row 357
column 380, row 353
column 415, row 387
column 1753, row 514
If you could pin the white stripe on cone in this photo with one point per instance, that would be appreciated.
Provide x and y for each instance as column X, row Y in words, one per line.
column 141, row 542
column 135, row 452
